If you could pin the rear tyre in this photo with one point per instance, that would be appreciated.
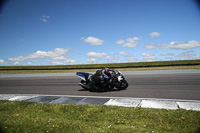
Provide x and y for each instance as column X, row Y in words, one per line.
column 84, row 85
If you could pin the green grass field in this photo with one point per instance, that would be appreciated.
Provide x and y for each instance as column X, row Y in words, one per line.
column 164, row 65
column 93, row 70
column 27, row 117
column 136, row 64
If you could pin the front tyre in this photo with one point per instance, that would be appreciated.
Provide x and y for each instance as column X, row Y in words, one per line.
column 123, row 85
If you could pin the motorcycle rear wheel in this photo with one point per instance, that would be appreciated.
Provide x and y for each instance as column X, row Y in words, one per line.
column 84, row 85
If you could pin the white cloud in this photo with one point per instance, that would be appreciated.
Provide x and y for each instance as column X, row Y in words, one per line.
column 29, row 63
column 147, row 56
column 2, row 62
column 123, row 53
column 92, row 61
column 181, row 45
column 63, row 62
column 60, row 58
column 154, row 34
column 19, row 58
column 120, row 41
column 167, row 54
column 49, row 54
column 112, row 53
column 93, row 40
column 55, row 63
column 42, row 54
column 94, row 54
column 132, row 45
column 67, row 60
column 16, row 63
column 99, row 56
column 107, row 58
column 131, row 59
column 45, row 18
column 116, row 58
column 70, row 61
column 150, row 46
column 130, row 42
column 56, row 54
column 188, row 54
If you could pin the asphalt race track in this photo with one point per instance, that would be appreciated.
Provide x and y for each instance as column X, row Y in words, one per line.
column 164, row 84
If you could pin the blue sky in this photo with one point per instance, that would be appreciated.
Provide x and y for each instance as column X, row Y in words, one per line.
column 56, row 32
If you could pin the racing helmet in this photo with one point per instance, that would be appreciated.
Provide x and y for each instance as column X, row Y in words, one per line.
column 107, row 70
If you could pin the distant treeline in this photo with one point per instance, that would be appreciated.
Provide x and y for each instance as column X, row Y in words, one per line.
column 99, row 66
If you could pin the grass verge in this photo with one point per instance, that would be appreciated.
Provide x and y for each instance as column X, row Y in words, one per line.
column 138, row 66
column 85, row 66
column 93, row 70
column 42, row 117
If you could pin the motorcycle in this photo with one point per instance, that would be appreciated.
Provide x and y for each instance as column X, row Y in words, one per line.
column 116, row 81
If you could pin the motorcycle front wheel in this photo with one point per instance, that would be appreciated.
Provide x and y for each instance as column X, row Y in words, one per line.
column 124, row 85
column 121, row 86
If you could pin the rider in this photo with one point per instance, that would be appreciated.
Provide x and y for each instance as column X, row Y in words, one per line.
column 101, row 77
column 106, row 73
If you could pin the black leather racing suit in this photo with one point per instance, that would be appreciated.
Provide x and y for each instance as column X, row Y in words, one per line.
column 100, row 79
